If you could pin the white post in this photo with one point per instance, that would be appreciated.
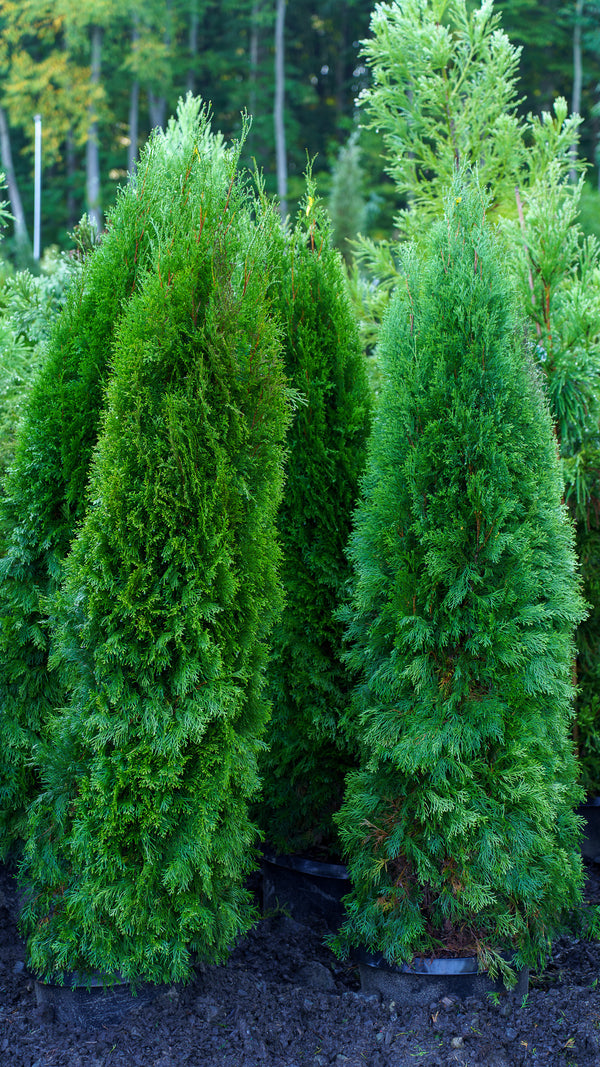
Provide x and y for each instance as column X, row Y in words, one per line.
column 37, row 194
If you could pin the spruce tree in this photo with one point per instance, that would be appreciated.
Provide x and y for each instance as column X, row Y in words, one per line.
column 46, row 491
column 308, row 753
column 140, row 842
column 459, row 828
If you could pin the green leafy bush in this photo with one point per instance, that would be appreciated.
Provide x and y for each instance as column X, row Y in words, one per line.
column 308, row 755
column 140, row 842
column 459, row 827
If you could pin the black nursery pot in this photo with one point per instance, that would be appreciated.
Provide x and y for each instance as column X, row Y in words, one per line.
column 92, row 1003
column 307, row 889
column 428, row 980
column 590, row 844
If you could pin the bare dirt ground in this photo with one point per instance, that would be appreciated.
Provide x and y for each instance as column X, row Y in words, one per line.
column 283, row 1000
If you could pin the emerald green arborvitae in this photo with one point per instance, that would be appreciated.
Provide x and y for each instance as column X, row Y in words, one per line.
column 308, row 754
column 140, row 843
column 46, row 492
column 459, row 828
column 444, row 89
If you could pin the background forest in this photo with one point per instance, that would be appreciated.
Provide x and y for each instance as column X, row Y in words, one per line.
column 103, row 73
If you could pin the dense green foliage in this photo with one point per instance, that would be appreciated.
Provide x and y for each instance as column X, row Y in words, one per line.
column 558, row 274
column 139, row 845
column 46, row 491
column 458, row 828
column 587, row 726
column 29, row 304
column 308, row 755
column 443, row 94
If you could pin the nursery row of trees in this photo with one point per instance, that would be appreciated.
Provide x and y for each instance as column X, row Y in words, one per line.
column 233, row 599
column 103, row 74
column 141, row 582
column 145, row 714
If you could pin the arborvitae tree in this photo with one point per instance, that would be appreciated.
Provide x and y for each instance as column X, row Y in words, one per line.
column 459, row 827
column 46, row 491
column 443, row 92
column 308, row 755
column 140, row 843
column 587, row 702
column 29, row 305
column 558, row 275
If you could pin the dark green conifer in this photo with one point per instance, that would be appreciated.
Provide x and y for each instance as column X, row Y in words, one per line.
column 459, row 828
column 140, row 843
column 46, row 491
column 587, row 725
column 308, row 753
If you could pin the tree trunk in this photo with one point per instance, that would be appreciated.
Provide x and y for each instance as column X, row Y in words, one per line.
column 16, row 206
column 193, row 46
column 157, row 104
column 577, row 78
column 340, row 66
column 278, row 110
column 71, row 162
column 92, row 156
column 134, row 106
column 253, row 56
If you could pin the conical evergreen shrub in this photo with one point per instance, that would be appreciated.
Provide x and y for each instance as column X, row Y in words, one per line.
column 459, row 828
column 308, row 753
column 139, row 845
column 46, row 491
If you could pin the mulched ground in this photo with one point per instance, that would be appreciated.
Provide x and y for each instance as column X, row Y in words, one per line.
column 283, row 1000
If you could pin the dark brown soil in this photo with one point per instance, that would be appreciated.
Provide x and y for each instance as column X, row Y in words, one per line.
column 283, row 1000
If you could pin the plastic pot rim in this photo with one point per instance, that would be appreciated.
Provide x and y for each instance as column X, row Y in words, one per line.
column 424, row 965
column 301, row 865
column 73, row 980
